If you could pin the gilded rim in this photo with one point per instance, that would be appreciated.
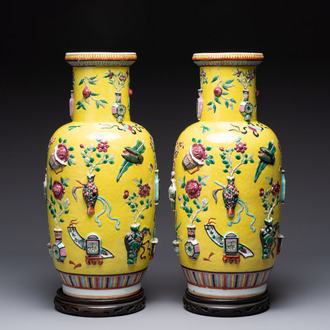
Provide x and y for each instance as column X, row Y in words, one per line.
column 100, row 59
column 227, row 59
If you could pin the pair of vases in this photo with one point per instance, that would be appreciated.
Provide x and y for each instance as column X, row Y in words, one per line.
column 102, row 188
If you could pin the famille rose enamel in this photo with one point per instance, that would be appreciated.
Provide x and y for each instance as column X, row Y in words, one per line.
column 227, row 187
column 101, row 190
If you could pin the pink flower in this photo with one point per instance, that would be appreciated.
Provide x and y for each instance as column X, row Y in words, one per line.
column 58, row 189
column 240, row 147
column 222, row 149
column 198, row 151
column 275, row 188
column 102, row 146
column 262, row 191
column 62, row 152
column 144, row 190
column 193, row 188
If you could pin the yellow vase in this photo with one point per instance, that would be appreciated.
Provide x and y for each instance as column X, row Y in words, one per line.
column 101, row 190
column 226, row 191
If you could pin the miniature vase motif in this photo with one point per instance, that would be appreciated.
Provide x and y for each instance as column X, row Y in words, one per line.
column 101, row 184
column 227, row 152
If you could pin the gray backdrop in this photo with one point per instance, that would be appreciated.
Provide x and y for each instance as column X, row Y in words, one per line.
column 294, row 87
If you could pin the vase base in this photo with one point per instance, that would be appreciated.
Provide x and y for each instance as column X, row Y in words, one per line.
column 226, row 307
column 99, row 307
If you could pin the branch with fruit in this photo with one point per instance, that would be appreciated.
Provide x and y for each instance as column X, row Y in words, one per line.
column 88, row 94
column 220, row 92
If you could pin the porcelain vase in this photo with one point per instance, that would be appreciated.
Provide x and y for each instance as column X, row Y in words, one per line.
column 226, row 191
column 101, row 191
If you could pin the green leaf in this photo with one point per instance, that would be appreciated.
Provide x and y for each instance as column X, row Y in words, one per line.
column 81, row 81
column 225, row 170
column 71, row 148
column 104, row 101
column 141, row 202
column 205, row 209
column 98, row 155
column 229, row 81
column 238, row 171
column 141, row 216
column 198, row 220
column 193, row 140
column 210, row 103
column 214, row 108
column 251, row 160
column 97, row 169
column 208, row 148
column 216, row 99
column 91, row 160
column 111, row 162
column 225, row 162
column 225, row 87
column 215, row 79
column 238, row 156
column 232, row 100
column 83, row 106
column 227, row 104
column 61, row 220
column 66, row 211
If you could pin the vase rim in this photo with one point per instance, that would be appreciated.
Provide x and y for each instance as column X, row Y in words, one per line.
column 100, row 58
column 227, row 59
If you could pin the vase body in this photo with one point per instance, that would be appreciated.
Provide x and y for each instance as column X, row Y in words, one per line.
column 228, row 183
column 101, row 186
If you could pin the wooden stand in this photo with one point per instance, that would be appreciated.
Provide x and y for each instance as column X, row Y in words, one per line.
column 226, row 307
column 99, row 307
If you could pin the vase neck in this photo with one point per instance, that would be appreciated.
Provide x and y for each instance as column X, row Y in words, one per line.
column 228, row 93
column 101, row 94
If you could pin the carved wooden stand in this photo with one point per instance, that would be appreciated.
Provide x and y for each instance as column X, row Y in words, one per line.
column 226, row 307
column 99, row 307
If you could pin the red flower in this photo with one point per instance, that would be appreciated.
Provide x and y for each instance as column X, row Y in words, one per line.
column 103, row 146
column 193, row 188
column 198, row 151
column 144, row 190
column 262, row 191
column 240, row 147
column 58, row 189
column 122, row 78
column 275, row 188
column 126, row 194
column 62, row 152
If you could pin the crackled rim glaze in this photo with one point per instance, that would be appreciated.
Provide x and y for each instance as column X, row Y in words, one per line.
column 227, row 59
column 100, row 58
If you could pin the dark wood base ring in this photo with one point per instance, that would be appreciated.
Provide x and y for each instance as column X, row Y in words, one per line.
column 226, row 307
column 99, row 307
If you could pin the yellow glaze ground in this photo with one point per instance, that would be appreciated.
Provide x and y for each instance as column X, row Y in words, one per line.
column 87, row 127
column 223, row 130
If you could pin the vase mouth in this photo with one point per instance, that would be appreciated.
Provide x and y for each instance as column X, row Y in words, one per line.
column 100, row 58
column 227, row 59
